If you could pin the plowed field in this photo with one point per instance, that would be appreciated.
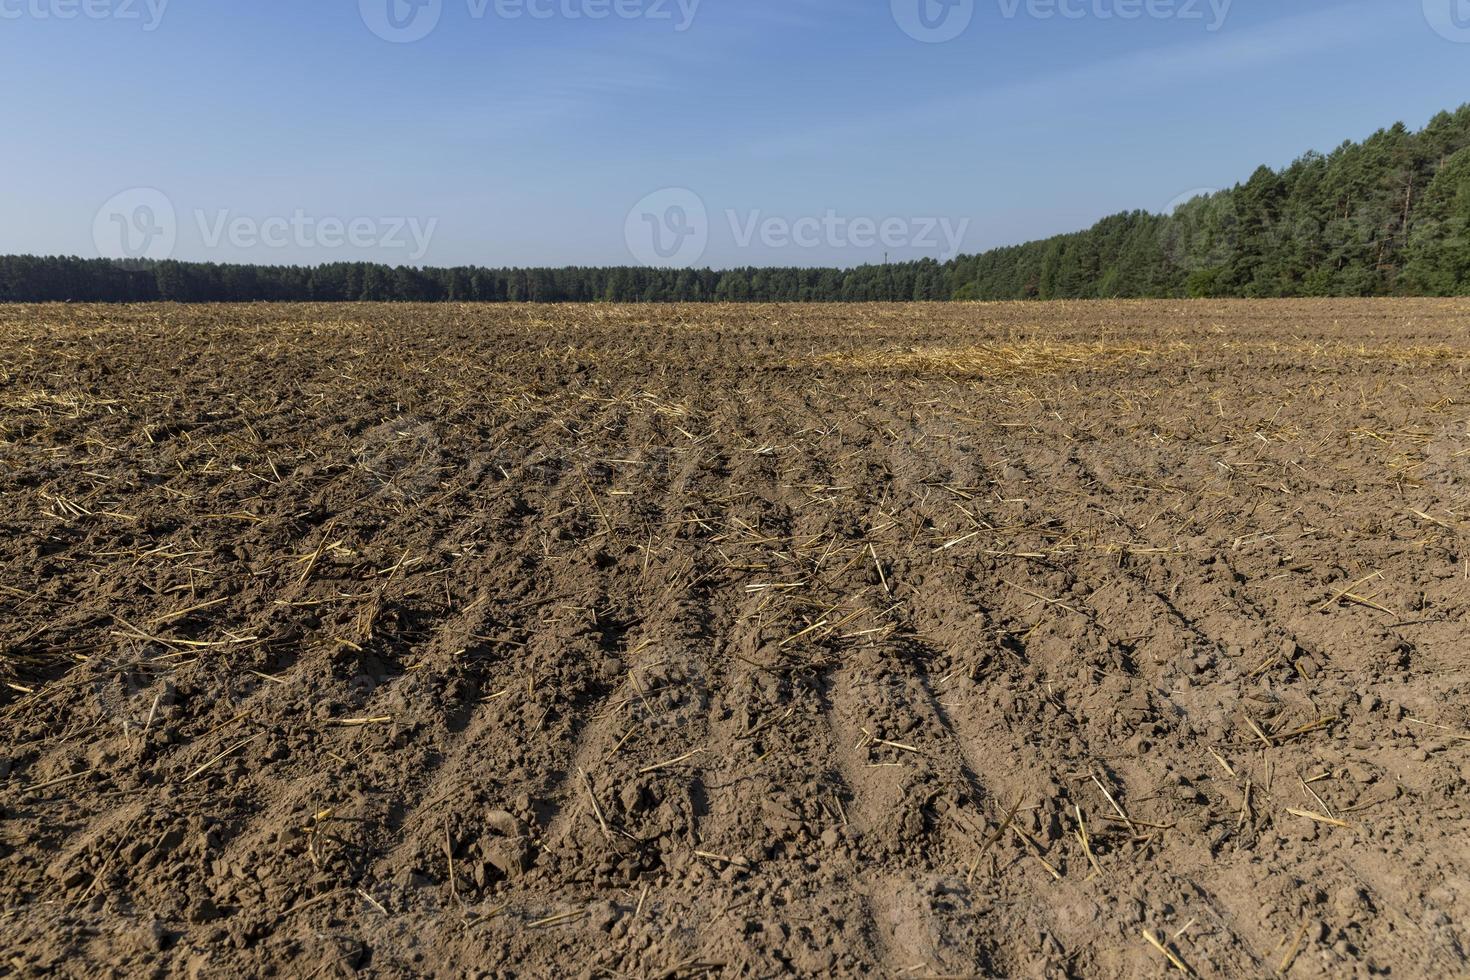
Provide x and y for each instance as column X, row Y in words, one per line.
column 1095, row 640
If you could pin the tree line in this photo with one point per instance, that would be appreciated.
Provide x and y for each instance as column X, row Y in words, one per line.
column 25, row 278
column 1387, row 216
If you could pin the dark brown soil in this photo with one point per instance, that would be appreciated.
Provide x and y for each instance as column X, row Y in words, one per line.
column 1022, row 640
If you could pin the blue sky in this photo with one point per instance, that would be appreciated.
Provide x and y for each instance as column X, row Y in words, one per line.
column 282, row 131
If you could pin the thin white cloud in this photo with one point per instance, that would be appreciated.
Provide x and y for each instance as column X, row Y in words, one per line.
column 1220, row 56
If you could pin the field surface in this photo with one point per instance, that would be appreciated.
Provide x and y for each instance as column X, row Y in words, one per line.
column 1095, row 640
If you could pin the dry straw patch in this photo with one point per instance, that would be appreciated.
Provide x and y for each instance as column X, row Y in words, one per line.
column 1336, row 351
column 993, row 360
column 69, row 403
column 1414, row 353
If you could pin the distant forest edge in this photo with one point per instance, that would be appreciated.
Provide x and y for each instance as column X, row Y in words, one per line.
column 1386, row 217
